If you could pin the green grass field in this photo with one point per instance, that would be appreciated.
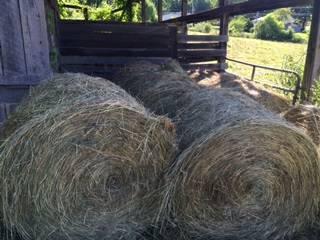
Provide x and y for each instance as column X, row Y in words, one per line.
column 267, row 53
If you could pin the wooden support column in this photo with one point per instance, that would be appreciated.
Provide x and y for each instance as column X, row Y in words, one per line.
column 312, row 67
column 184, row 12
column 159, row 10
column 224, row 29
column 143, row 11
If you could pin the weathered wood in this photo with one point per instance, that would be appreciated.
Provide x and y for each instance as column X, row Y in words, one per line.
column 173, row 44
column 65, row 60
column 11, row 38
column 13, row 94
column 76, row 26
column 116, row 41
column 121, row 52
column 184, row 7
column 202, row 53
column 1, row 60
column 202, row 38
column 159, row 9
column 35, row 36
column 224, row 30
column 200, row 45
column 249, row 6
column 312, row 66
column 143, row 11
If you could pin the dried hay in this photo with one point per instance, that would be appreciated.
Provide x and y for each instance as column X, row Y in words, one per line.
column 306, row 117
column 84, row 169
column 64, row 89
column 268, row 98
column 243, row 173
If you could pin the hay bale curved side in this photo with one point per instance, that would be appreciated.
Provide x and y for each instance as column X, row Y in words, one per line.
column 86, row 170
column 306, row 117
column 243, row 171
column 268, row 98
column 64, row 89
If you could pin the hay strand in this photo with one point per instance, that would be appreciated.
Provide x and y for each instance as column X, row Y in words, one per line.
column 85, row 169
column 243, row 172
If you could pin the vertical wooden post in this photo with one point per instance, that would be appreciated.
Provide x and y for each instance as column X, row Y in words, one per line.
column 312, row 67
column 159, row 10
column 224, row 29
column 184, row 12
column 86, row 14
column 173, row 42
column 143, row 11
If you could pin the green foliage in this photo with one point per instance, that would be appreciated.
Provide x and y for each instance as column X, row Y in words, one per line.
column 204, row 27
column 240, row 24
column 103, row 13
column 272, row 29
column 282, row 15
column 151, row 11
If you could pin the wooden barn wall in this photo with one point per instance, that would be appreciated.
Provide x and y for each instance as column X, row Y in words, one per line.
column 24, row 50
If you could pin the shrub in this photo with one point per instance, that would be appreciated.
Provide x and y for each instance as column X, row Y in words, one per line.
column 272, row 29
column 240, row 24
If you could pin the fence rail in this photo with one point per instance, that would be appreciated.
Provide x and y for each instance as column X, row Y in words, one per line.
column 294, row 91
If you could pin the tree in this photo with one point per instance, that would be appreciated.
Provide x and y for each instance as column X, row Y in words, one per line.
column 240, row 24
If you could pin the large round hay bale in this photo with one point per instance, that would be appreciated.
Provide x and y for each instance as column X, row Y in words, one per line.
column 306, row 117
column 63, row 89
column 84, row 169
column 243, row 173
column 268, row 98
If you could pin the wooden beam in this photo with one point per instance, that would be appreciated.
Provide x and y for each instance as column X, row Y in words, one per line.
column 184, row 7
column 143, row 11
column 224, row 30
column 239, row 9
column 312, row 67
column 159, row 10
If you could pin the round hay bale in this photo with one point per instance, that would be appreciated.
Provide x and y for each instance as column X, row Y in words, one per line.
column 306, row 117
column 86, row 169
column 63, row 89
column 268, row 98
column 243, row 173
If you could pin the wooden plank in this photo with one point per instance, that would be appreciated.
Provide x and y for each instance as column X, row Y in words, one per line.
column 224, row 30
column 249, row 6
column 89, row 26
column 143, row 11
column 65, row 60
column 11, row 39
column 184, row 7
column 202, row 38
column 12, row 94
column 100, row 41
column 205, row 53
column 159, row 8
column 200, row 45
column 120, row 52
column 35, row 36
column 1, row 60
column 173, row 42
column 312, row 66
column 205, row 67
column 22, row 80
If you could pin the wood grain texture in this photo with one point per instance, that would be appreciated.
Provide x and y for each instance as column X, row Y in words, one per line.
column 11, row 38
column 35, row 36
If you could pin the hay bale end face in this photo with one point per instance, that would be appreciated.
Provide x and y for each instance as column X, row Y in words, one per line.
column 243, row 172
column 86, row 169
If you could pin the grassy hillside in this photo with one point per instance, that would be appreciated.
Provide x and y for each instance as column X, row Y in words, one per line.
column 274, row 54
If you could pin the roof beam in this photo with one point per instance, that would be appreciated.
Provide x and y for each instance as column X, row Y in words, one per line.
column 239, row 9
